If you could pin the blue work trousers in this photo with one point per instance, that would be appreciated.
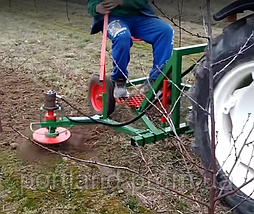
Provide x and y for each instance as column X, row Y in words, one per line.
column 152, row 30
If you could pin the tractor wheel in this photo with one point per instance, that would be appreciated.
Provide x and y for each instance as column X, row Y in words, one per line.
column 233, row 70
column 95, row 96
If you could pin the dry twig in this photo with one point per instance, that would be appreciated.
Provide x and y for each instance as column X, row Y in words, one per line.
column 175, row 24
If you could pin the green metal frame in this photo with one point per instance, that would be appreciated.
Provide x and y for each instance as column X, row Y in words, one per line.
column 151, row 134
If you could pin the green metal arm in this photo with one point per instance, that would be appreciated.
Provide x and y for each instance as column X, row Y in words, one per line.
column 174, row 66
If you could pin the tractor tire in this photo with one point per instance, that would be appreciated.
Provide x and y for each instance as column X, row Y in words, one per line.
column 95, row 96
column 233, row 71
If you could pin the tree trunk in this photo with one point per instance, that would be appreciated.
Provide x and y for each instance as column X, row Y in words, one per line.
column 1, row 128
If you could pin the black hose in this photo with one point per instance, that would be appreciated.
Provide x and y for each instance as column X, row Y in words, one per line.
column 106, row 123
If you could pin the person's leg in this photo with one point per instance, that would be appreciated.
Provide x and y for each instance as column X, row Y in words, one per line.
column 158, row 33
column 119, row 34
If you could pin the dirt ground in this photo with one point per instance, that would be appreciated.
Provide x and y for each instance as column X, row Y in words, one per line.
column 40, row 49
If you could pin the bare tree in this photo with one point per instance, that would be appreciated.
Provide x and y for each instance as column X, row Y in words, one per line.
column 180, row 6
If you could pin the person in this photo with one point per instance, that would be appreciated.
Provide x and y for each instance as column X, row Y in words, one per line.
column 127, row 19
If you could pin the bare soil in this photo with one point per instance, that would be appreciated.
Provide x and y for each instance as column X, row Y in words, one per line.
column 21, row 98
column 20, row 105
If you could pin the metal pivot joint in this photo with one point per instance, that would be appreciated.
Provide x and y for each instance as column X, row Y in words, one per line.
column 50, row 133
column 50, row 101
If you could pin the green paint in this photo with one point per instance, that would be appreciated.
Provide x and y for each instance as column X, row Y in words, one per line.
column 105, row 109
column 137, row 81
column 176, row 79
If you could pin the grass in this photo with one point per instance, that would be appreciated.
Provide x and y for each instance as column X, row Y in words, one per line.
column 34, row 187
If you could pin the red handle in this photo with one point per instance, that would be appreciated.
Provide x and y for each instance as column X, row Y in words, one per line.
column 103, row 50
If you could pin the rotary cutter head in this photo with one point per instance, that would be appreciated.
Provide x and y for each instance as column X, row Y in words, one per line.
column 49, row 133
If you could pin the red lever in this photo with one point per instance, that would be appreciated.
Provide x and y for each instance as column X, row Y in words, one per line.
column 103, row 52
column 164, row 98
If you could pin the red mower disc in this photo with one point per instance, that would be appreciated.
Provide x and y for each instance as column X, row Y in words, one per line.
column 41, row 137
